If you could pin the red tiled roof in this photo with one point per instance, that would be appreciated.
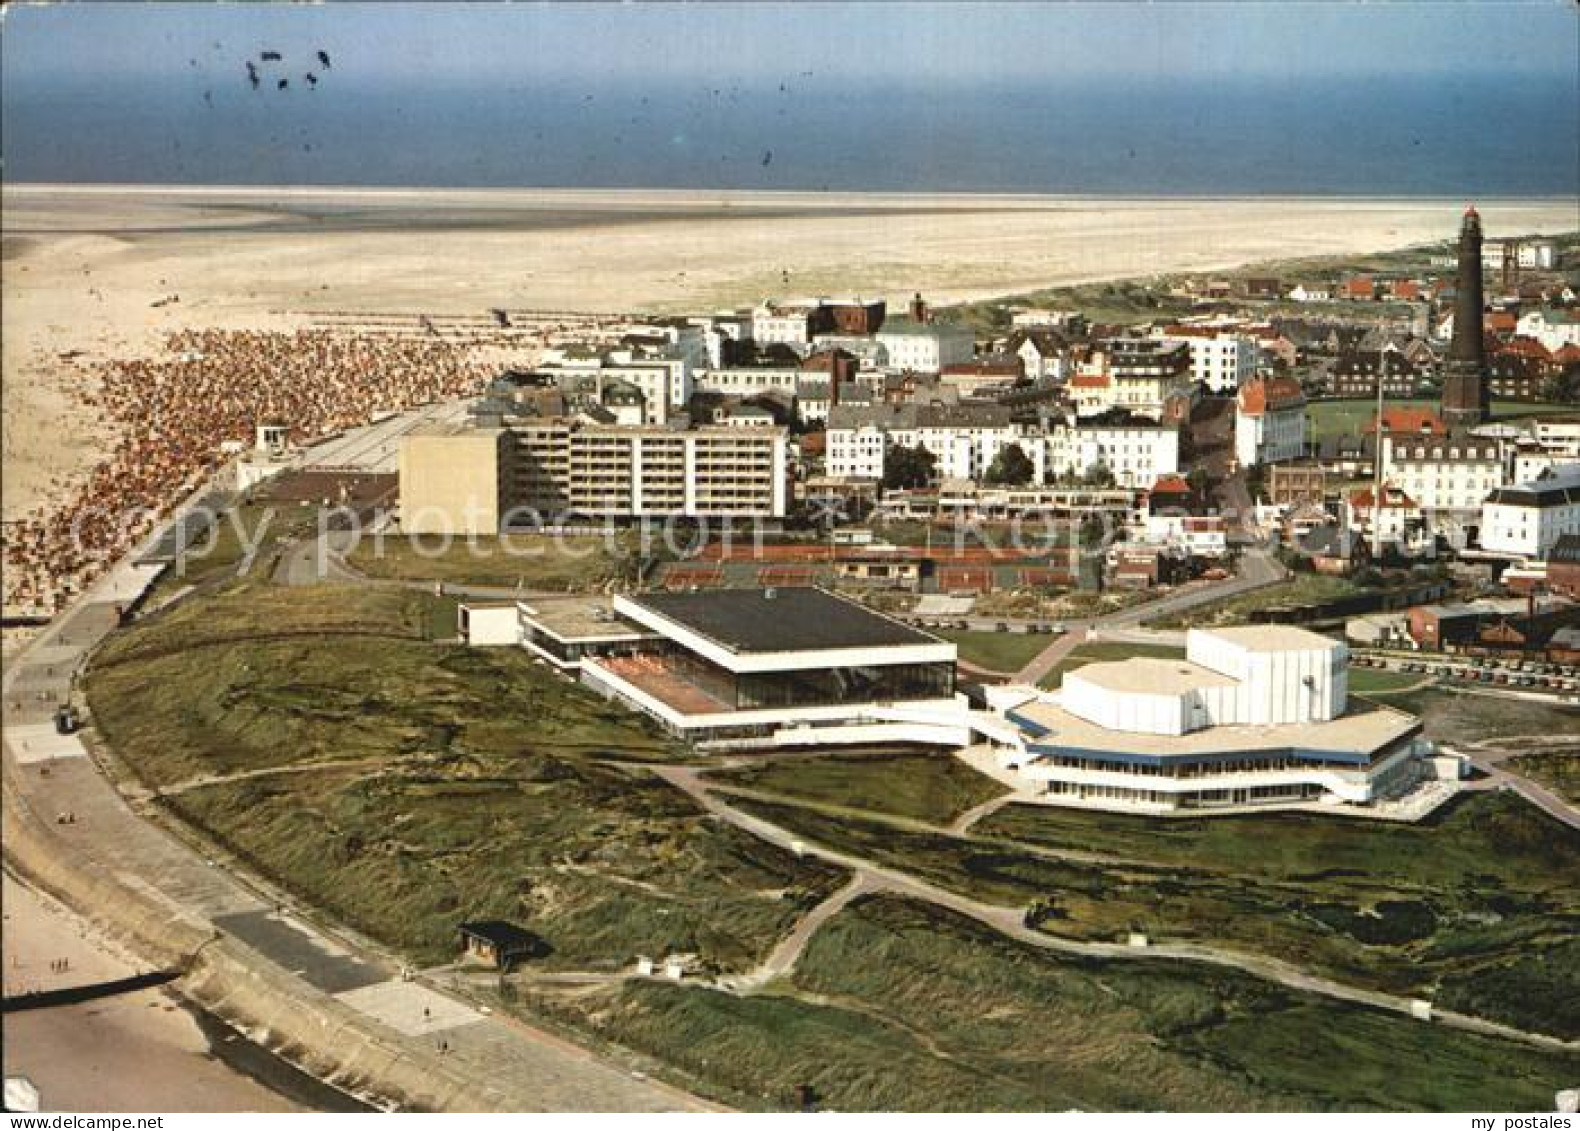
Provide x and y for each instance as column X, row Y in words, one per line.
column 1089, row 381
column 1393, row 498
column 1501, row 321
column 1526, row 347
column 1407, row 419
column 1262, row 394
column 1171, row 485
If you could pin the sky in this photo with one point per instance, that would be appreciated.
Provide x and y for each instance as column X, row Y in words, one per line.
column 1252, row 97
column 591, row 43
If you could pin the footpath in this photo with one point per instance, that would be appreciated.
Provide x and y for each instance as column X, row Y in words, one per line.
column 332, row 1005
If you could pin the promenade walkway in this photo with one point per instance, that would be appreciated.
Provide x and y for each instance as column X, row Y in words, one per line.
column 93, row 830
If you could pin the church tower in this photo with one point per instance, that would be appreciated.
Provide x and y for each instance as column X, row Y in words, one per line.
column 1465, row 391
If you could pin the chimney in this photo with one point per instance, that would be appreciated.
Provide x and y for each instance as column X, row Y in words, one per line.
column 919, row 311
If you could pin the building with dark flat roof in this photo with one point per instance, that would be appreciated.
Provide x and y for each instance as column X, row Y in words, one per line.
column 500, row 943
column 774, row 667
column 789, row 619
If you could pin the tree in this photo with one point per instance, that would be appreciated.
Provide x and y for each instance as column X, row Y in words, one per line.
column 1563, row 388
column 1198, row 479
column 1012, row 467
column 905, row 467
column 1098, row 475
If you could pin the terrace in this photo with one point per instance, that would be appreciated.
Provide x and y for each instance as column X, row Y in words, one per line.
column 668, row 682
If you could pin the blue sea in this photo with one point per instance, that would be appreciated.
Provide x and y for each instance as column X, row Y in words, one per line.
column 1141, row 136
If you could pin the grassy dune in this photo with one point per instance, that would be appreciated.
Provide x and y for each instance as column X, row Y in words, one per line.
column 572, row 564
column 1430, row 909
column 407, row 785
column 931, row 787
column 901, row 1006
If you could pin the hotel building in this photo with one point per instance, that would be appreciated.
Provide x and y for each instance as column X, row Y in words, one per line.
column 1269, row 421
column 1526, row 521
column 476, row 481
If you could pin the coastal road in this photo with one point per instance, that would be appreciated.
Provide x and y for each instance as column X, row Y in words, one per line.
column 58, row 785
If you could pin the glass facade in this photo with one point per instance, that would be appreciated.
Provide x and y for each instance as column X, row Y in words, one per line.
column 818, row 687
column 572, row 652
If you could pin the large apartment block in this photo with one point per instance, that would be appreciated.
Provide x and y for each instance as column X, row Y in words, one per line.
column 454, row 479
column 548, row 468
column 966, row 439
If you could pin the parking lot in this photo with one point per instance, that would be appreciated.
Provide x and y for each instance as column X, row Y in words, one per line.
column 1540, row 677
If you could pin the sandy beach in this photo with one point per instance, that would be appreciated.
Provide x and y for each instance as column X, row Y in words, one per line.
column 84, row 266
column 135, row 1052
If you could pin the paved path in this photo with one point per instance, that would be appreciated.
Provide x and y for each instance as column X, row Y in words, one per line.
column 1010, row 921
column 964, row 823
column 1488, row 756
column 1258, row 569
column 782, row 959
column 528, row 1069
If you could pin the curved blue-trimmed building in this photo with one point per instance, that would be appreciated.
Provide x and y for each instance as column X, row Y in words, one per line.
column 1255, row 715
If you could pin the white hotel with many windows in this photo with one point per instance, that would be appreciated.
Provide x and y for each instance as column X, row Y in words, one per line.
column 1526, row 521
column 965, row 440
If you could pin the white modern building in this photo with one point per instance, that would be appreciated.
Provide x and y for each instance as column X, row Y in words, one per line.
column 1555, row 329
column 771, row 668
column 925, row 347
column 1251, row 716
column 1269, row 421
column 1560, row 436
column 470, row 480
column 1222, row 360
column 1525, row 521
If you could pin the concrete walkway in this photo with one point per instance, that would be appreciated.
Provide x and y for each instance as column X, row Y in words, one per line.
column 964, row 823
column 1488, row 756
column 485, row 1062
